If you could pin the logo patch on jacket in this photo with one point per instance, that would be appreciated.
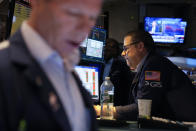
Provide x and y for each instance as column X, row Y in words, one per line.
column 153, row 84
column 152, row 75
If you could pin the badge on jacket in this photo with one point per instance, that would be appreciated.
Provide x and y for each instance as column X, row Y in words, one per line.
column 152, row 75
column 153, row 84
column 53, row 101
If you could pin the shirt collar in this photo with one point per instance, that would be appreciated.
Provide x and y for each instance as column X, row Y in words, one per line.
column 38, row 47
column 139, row 66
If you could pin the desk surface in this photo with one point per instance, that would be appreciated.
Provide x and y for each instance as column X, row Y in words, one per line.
column 131, row 125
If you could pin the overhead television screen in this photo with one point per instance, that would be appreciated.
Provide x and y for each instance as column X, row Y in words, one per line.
column 166, row 31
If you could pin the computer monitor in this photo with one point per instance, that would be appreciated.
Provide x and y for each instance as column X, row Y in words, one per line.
column 89, row 76
column 92, row 48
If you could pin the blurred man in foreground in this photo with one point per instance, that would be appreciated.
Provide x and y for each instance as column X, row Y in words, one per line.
column 37, row 83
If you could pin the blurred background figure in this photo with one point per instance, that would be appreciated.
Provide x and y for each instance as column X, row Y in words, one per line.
column 118, row 71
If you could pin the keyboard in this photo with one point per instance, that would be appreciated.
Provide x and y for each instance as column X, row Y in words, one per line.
column 160, row 123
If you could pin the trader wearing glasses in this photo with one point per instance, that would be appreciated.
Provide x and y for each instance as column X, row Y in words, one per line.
column 172, row 93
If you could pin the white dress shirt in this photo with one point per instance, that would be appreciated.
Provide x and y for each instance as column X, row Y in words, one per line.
column 139, row 66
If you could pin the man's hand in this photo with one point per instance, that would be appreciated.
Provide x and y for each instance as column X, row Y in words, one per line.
column 105, row 110
column 97, row 109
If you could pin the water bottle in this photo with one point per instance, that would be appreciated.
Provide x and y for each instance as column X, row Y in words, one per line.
column 106, row 99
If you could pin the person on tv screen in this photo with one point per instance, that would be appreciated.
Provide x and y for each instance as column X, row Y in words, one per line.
column 158, row 79
column 154, row 24
column 38, row 86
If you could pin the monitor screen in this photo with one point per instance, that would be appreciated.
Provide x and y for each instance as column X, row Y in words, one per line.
column 92, row 47
column 22, row 11
column 98, row 34
column 90, row 79
column 166, row 31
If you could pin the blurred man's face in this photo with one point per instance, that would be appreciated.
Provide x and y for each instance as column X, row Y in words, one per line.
column 64, row 24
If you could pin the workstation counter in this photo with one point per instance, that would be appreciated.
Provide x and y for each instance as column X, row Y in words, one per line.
column 106, row 125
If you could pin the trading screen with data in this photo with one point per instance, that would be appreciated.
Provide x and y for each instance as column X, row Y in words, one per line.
column 90, row 79
column 92, row 48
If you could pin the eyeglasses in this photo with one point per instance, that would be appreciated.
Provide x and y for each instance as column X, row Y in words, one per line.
column 126, row 47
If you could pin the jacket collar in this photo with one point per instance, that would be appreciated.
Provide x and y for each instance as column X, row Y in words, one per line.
column 86, row 98
column 19, row 53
